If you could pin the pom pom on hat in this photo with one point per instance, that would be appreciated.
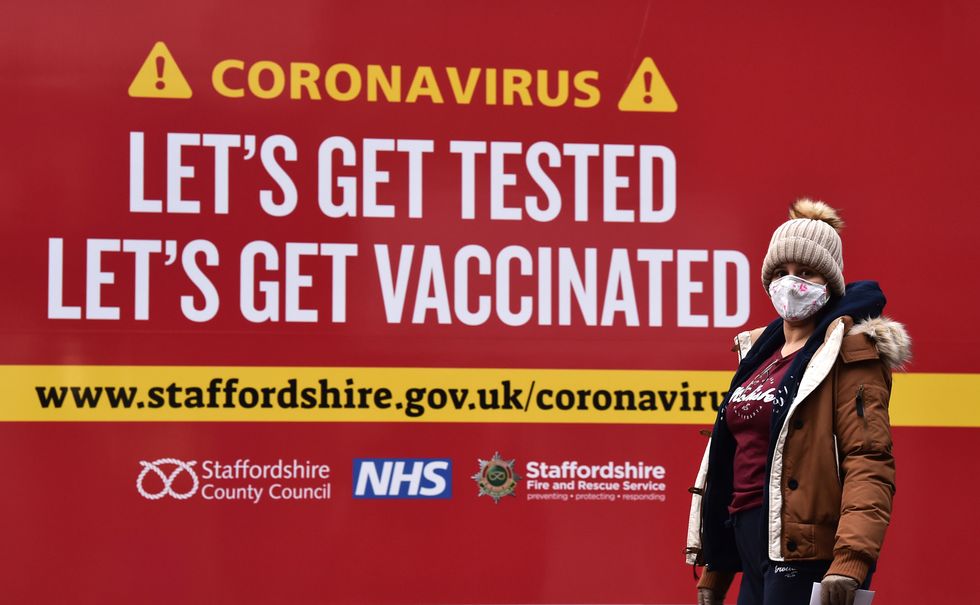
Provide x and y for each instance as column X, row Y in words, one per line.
column 809, row 238
column 817, row 211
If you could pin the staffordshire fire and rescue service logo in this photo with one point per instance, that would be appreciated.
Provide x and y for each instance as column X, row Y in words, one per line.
column 496, row 478
column 165, row 485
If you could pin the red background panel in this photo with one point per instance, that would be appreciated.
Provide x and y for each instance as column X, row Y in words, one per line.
column 77, row 517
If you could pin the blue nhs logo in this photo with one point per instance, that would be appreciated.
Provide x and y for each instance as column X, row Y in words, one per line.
column 403, row 478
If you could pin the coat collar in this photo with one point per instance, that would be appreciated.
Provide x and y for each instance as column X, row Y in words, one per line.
column 876, row 337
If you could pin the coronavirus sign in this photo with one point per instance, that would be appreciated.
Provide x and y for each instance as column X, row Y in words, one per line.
column 406, row 304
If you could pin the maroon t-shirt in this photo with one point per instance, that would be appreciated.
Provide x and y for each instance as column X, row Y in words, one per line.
column 748, row 414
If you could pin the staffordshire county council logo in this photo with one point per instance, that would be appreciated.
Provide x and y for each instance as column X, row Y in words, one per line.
column 180, row 467
column 496, row 478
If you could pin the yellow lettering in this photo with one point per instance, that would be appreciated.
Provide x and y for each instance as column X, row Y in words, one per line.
column 490, row 82
column 424, row 83
column 517, row 81
column 463, row 93
column 232, row 78
column 255, row 82
column 303, row 75
column 561, row 97
column 590, row 90
column 330, row 82
column 391, row 86
column 218, row 78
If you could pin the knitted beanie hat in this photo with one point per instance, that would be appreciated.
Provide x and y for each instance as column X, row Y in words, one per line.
column 809, row 238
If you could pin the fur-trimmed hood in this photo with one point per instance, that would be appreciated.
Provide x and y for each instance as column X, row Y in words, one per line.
column 889, row 337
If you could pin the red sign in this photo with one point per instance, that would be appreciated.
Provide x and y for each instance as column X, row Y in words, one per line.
column 399, row 304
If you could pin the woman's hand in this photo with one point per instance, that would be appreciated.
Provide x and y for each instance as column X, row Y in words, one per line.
column 706, row 596
column 837, row 590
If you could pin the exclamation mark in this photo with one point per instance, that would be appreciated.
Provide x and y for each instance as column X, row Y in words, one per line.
column 648, row 87
column 160, row 84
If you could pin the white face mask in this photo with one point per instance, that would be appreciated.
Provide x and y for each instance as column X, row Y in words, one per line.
column 796, row 299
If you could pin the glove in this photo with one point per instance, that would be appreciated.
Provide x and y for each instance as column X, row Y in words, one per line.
column 837, row 590
column 706, row 596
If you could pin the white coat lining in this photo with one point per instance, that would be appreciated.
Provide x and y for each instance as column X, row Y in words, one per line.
column 815, row 373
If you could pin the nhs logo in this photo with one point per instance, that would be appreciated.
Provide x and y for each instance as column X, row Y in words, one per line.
column 403, row 478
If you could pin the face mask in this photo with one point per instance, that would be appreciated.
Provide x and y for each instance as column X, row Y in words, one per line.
column 796, row 299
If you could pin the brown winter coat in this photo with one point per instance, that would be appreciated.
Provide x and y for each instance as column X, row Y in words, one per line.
column 833, row 475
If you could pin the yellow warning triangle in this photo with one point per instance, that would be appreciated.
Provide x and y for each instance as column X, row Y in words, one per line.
column 647, row 91
column 160, row 78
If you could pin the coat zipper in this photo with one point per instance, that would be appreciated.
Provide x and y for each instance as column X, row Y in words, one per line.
column 859, row 400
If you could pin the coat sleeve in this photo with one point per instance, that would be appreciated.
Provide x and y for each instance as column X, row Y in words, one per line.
column 867, row 467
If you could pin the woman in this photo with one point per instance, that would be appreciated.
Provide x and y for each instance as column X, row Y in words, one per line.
column 797, row 481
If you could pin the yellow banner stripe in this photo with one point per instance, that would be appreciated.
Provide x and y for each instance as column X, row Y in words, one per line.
column 280, row 394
